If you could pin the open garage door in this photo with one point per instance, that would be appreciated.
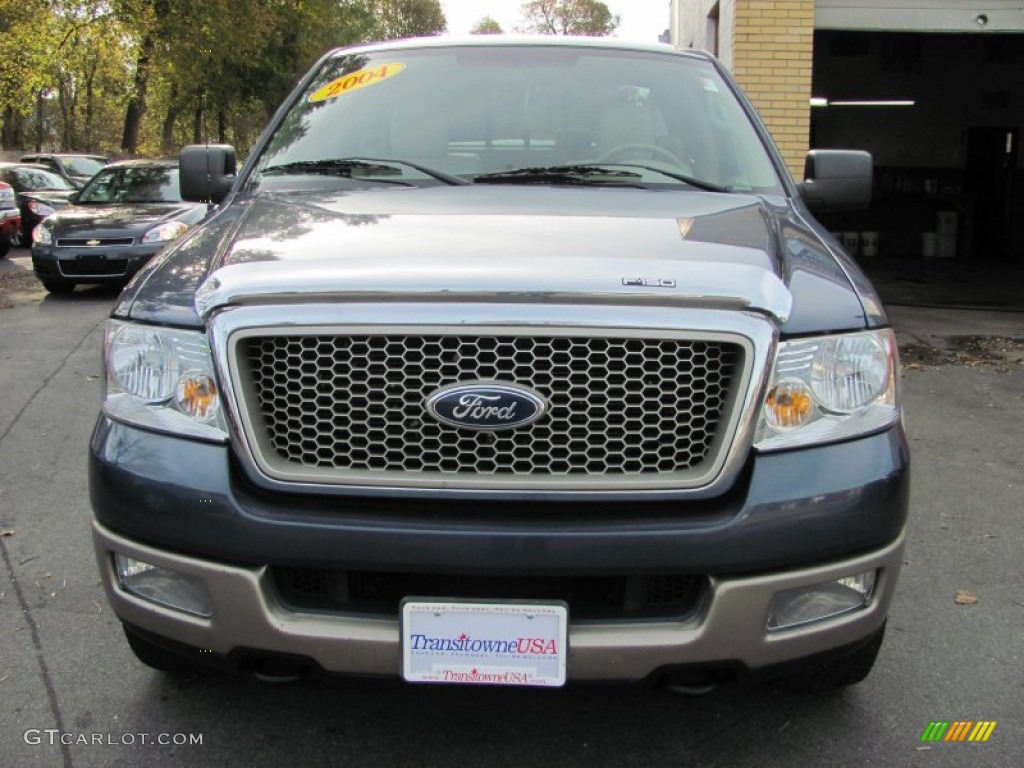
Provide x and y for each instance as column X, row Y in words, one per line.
column 943, row 114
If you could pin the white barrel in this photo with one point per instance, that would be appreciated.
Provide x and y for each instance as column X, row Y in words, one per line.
column 868, row 244
column 929, row 245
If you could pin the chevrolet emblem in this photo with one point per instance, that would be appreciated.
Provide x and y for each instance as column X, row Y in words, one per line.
column 92, row 242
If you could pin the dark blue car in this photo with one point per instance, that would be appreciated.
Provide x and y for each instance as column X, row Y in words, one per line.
column 122, row 218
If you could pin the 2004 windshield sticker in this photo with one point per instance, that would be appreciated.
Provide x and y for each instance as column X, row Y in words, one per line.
column 353, row 81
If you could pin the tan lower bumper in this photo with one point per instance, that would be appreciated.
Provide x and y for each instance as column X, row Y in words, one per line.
column 730, row 626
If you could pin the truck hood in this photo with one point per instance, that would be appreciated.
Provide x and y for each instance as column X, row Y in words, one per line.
column 55, row 197
column 594, row 245
column 125, row 219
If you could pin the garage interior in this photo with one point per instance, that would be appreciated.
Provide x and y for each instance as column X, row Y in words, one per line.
column 942, row 114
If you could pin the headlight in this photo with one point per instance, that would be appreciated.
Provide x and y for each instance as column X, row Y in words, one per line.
column 830, row 388
column 163, row 379
column 40, row 209
column 161, row 233
column 41, row 234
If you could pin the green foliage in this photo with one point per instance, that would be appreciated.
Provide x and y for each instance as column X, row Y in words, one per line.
column 568, row 17
column 146, row 76
column 487, row 26
column 27, row 37
column 62, row 74
column 395, row 19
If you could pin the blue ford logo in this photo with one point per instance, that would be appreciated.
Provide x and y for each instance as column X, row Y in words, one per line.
column 486, row 406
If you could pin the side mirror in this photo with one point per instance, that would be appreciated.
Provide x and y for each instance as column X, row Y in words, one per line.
column 837, row 180
column 206, row 172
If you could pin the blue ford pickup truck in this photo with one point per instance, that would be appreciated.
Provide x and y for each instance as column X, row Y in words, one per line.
column 506, row 361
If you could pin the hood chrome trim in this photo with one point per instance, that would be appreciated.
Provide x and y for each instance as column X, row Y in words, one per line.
column 704, row 285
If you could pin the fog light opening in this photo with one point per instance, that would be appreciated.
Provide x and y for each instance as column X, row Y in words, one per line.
column 817, row 602
column 163, row 586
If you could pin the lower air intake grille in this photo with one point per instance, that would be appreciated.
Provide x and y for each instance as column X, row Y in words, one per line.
column 592, row 597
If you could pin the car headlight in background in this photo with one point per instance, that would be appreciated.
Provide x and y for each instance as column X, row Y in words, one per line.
column 41, row 234
column 830, row 388
column 169, row 230
column 163, row 379
column 40, row 209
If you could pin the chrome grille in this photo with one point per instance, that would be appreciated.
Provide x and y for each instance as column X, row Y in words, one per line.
column 103, row 242
column 619, row 406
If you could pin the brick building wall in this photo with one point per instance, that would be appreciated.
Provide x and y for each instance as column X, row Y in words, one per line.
column 772, row 51
column 768, row 45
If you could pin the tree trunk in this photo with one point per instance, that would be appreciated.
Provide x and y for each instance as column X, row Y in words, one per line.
column 39, row 121
column 137, row 104
column 67, row 101
column 12, row 138
column 167, row 135
column 197, row 123
column 89, row 107
column 222, row 126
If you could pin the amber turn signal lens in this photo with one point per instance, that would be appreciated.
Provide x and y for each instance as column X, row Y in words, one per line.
column 789, row 404
column 197, row 395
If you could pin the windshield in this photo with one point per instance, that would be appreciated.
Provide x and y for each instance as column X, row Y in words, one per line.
column 471, row 111
column 82, row 166
column 157, row 184
column 33, row 179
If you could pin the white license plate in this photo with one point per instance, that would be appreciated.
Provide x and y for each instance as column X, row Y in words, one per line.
column 484, row 642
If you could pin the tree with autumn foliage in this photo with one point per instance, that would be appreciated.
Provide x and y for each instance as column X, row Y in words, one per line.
column 133, row 77
column 486, row 26
column 395, row 19
column 590, row 18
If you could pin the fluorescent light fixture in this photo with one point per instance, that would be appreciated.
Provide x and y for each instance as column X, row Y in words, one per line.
column 873, row 103
column 819, row 101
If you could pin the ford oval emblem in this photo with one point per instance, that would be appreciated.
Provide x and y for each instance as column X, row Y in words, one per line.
column 486, row 405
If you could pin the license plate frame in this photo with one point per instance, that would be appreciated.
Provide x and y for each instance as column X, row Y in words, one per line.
column 484, row 642
column 92, row 263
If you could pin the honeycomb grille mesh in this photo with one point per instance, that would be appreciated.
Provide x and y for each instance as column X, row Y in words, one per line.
column 618, row 406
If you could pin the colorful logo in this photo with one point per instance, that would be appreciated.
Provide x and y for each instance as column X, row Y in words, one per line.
column 958, row 730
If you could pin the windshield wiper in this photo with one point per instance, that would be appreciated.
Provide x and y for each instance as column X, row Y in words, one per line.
column 359, row 168
column 589, row 174
column 560, row 174
column 347, row 167
column 707, row 186
column 447, row 178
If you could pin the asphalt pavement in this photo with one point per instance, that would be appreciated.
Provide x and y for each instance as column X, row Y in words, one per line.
column 72, row 694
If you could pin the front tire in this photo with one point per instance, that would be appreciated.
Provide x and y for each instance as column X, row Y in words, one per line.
column 5, row 245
